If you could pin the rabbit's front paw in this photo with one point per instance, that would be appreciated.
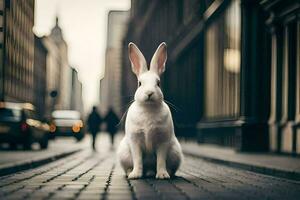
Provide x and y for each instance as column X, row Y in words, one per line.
column 163, row 174
column 135, row 174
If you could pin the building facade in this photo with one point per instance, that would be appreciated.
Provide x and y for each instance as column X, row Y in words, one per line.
column 232, row 72
column 16, row 51
column 283, row 25
column 58, row 70
column 40, row 76
column 110, row 85
column 173, row 22
column 76, row 95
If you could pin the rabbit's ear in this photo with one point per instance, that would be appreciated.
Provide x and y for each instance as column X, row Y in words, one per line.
column 137, row 59
column 159, row 59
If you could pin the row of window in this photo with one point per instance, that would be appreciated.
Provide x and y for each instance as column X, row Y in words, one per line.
column 17, row 55
column 222, row 65
column 26, row 6
column 18, row 88
column 20, row 36
column 19, row 50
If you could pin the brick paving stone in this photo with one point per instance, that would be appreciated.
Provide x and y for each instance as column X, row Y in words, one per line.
column 87, row 175
column 282, row 166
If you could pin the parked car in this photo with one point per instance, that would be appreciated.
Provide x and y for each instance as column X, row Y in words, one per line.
column 67, row 123
column 19, row 125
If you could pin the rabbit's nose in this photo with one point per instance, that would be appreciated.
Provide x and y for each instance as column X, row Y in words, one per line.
column 149, row 94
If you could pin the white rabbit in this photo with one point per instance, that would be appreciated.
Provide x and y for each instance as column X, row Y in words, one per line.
column 149, row 144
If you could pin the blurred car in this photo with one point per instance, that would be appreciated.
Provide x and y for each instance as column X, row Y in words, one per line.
column 67, row 123
column 19, row 125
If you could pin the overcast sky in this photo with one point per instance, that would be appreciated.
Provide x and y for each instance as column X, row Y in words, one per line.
column 84, row 24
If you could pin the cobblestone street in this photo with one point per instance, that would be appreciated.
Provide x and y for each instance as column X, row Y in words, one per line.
column 88, row 175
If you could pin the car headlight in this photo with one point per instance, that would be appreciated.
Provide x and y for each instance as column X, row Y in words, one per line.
column 52, row 128
column 76, row 128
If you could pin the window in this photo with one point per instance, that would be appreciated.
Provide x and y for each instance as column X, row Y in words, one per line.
column 222, row 64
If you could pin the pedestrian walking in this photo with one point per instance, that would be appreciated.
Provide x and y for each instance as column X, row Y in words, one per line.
column 94, row 121
column 112, row 121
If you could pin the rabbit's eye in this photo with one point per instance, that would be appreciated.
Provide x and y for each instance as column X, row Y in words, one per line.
column 158, row 83
column 139, row 83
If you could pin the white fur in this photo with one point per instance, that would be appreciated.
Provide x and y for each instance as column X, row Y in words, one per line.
column 149, row 145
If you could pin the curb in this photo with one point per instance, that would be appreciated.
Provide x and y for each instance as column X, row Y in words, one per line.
column 13, row 168
column 295, row 176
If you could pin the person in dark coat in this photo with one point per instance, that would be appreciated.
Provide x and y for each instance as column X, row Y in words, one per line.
column 94, row 121
column 112, row 121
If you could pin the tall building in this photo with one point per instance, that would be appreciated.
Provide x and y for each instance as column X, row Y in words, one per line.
column 76, row 95
column 16, row 50
column 40, row 76
column 232, row 70
column 58, row 70
column 110, row 85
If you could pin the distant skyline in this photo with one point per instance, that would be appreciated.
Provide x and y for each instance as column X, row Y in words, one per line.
column 84, row 25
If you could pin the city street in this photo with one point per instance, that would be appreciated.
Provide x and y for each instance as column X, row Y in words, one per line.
column 221, row 76
column 90, row 175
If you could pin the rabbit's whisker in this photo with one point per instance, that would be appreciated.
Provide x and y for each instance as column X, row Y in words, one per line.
column 124, row 114
column 172, row 105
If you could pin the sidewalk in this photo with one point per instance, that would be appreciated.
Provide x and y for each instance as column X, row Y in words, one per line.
column 17, row 160
column 270, row 164
column 62, row 147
